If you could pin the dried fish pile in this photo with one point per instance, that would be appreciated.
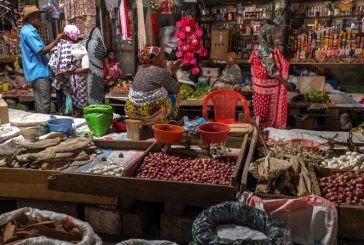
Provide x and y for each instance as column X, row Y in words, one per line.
column 51, row 154
column 287, row 168
column 24, row 227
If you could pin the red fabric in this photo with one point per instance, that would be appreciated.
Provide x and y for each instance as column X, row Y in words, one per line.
column 154, row 23
column 127, row 20
column 270, row 96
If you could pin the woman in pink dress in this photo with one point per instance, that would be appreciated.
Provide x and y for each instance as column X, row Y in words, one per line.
column 269, row 71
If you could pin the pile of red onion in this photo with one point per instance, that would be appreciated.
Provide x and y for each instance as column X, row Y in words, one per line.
column 161, row 166
column 345, row 187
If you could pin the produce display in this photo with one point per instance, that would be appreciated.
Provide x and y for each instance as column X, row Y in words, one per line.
column 345, row 187
column 110, row 169
column 120, row 88
column 189, row 93
column 349, row 161
column 24, row 227
column 318, row 97
column 182, row 168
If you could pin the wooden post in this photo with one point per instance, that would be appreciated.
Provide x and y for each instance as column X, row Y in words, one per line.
column 133, row 129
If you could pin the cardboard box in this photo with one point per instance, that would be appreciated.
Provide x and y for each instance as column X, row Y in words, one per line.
column 4, row 112
column 220, row 44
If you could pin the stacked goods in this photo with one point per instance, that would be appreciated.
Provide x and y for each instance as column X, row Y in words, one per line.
column 345, row 187
column 327, row 45
column 180, row 168
column 349, row 161
column 121, row 89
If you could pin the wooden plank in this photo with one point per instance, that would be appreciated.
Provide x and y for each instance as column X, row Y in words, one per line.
column 249, row 159
column 239, row 165
column 201, row 195
column 33, row 184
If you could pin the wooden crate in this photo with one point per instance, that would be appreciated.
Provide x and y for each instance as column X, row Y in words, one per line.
column 351, row 217
column 21, row 183
column 195, row 194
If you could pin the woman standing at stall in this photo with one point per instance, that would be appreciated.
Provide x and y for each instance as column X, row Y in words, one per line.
column 269, row 71
column 70, row 62
column 152, row 87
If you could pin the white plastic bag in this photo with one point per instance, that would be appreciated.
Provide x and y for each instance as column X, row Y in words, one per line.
column 89, row 237
column 311, row 219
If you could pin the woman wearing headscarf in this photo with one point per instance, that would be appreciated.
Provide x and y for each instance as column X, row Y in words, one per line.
column 154, row 83
column 269, row 71
column 94, row 43
column 70, row 63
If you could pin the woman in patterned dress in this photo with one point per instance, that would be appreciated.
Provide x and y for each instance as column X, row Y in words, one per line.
column 154, row 83
column 70, row 61
column 269, row 71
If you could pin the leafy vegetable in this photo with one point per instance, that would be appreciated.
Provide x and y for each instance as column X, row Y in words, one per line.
column 318, row 97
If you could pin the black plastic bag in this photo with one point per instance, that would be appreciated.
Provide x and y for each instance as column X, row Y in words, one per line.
column 204, row 227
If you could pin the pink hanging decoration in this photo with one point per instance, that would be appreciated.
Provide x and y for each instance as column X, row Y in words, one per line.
column 190, row 43
column 195, row 70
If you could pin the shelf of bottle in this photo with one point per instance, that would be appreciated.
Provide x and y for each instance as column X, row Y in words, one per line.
column 328, row 17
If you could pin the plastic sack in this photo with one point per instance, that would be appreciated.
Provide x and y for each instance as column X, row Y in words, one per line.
column 8, row 132
column 204, row 228
column 145, row 242
column 89, row 237
column 318, row 219
column 191, row 125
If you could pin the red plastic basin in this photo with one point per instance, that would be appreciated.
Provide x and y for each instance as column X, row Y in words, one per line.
column 214, row 132
column 167, row 133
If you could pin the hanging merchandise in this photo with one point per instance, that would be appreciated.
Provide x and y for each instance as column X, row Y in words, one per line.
column 154, row 8
column 142, row 41
column 190, row 43
column 81, row 13
column 52, row 7
column 166, row 6
column 124, row 23
column 110, row 6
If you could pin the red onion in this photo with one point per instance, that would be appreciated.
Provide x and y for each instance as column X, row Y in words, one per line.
column 345, row 187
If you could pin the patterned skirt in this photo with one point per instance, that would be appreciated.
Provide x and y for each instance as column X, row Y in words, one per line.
column 153, row 111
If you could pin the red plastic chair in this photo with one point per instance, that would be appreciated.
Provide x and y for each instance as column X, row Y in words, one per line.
column 225, row 102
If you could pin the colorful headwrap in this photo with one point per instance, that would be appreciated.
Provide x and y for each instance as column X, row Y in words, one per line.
column 147, row 55
column 266, row 48
column 72, row 32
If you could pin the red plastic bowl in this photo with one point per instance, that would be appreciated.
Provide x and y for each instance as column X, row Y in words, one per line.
column 214, row 132
column 119, row 125
column 167, row 133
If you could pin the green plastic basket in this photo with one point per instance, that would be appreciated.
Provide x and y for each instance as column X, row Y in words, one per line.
column 98, row 118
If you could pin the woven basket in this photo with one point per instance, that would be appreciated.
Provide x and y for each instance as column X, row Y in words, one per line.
column 98, row 118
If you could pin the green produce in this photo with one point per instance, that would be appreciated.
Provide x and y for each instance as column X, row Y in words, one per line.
column 188, row 92
column 318, row 97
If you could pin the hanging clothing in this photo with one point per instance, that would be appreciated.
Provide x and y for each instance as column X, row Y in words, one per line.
column 142, row 39
column 270, row 96
column 124, row 24
column 81, row 13
column 96, row 49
